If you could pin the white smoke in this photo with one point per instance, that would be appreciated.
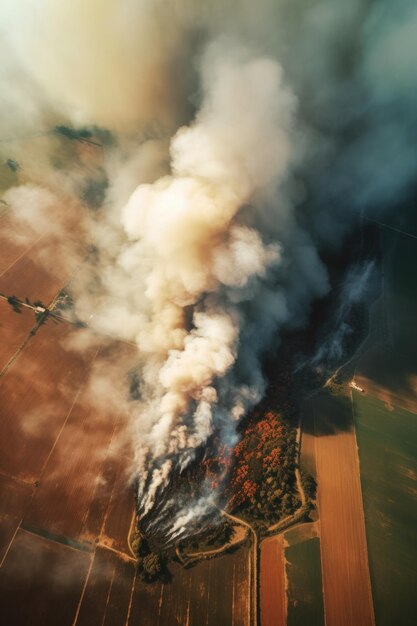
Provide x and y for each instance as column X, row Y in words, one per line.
column 245, row 138
column 205, row 258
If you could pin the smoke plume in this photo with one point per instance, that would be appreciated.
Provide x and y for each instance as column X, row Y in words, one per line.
column 237, row 142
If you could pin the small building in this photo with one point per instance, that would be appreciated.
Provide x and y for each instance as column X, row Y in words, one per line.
column 356, row 386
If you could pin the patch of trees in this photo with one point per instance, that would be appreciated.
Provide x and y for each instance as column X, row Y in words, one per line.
column 262, row 482
column 92, row 134
column 79, row 134
column 309, row 485
column 15, row 304
column 215, row 533
column 150, row 565
column 64, row 301
column 12, row 165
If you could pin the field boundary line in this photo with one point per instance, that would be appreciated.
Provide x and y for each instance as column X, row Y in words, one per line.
column 129, row 608
column 81, row 387
column 77, row 610
column 125, row 557
column 20, row 349
column 32, row 245
column 362, row 513
column 254, row 565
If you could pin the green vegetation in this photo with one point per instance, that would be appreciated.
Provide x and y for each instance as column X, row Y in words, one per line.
column 215, row 535
column 151, row 566
column 387, row 442
column 79, row 134
column 9, row 176
column 309, row 485
column 305, row 598
column 14, row 303
column 136, row 543
column 262, row 485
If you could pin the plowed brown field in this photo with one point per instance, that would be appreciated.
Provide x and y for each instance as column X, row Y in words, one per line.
column 13, row 246
column 14, row 329
column 36, row 396
column 346, row 582
column 36, row 265
column 108, row 591
column 272, row 583
column 14, row 500
column 212, row 593
column 41, row 582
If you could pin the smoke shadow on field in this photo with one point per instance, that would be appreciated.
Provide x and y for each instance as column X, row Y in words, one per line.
column 56, row 320
column 328, row 414
column 15, row 304
column 391, row 376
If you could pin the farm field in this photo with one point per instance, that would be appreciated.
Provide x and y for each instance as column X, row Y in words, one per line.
column 32, row 415
column 386, row 426
column 14, row 330
column 71, row 478
column 15, row 498
column 303, row 569
column 273, row 607
column 387, row 441
column 36, row 264
column 32, row 566
column 212, row 593
column 11, row 249
column 108, row 590
column 346, row 580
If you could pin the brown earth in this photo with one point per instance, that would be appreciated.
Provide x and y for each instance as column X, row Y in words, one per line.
column 39, row 274
column 14, row 500
column 14, row 329
column 214, row 592
column 72, row 476
column 121, row 505
column 66, row 503
column 41, row 582
column 37, row 393
column 13, row 247
column 346, row 581
column 37, row 265
column 273, row 600
column 108, row 591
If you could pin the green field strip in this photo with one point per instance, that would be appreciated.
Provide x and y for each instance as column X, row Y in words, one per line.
column 387, row 441
column 305, row 592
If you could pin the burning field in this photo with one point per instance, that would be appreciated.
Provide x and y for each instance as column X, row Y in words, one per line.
column 190, row 201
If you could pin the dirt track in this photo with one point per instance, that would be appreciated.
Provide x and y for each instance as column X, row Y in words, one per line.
column 346, row 581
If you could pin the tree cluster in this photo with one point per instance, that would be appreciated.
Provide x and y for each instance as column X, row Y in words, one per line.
column 150, row 565
column 262, row 479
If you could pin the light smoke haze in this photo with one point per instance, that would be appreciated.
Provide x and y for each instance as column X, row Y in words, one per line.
column 245, row 139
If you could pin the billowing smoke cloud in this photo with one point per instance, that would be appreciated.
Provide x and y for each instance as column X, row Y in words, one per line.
column 242, row 140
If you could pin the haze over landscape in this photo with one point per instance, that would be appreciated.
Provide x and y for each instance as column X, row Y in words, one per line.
column 207, row 312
